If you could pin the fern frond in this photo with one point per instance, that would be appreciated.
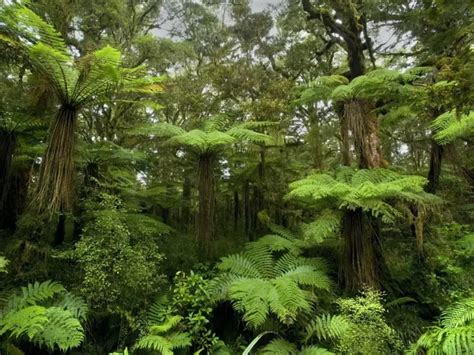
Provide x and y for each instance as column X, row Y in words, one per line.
column 34, row 293
column 314, row 350
column 167, row 325
column 62, row 330
column 328, row 327
column 449, row 127
column 279, row 346
column 27, row 321
column 459, row 314
column 325, row 226
column 157, row 343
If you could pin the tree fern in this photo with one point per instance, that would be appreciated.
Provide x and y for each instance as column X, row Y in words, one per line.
column 372, row 191
column 76, row 83
column 270, row 277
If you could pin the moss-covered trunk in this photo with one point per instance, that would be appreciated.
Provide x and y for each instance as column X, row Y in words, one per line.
column 207, row 202
column 55, row 188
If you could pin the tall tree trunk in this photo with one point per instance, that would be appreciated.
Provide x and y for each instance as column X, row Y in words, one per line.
column 315, row 138
column 364, row 126
column 7, row 148
column 237, row 212
column 55, row 189
column 362, row 252
column 186, row 204
column 207, row 202
column 436, row 157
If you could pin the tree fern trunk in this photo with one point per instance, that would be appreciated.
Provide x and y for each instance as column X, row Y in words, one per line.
column 364, row 126
column 362, row 254
column 186, row 207
column 207, row 202
column 55, row 186
column 436, row 157
column 7, row 147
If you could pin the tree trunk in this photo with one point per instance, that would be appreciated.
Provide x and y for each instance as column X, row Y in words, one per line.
column 364, row 126
column 362, row 253
column 55, row 189
column 207, row 202
column 7, row 148
column 436, row 156
column 186, row 204
column 315, row 139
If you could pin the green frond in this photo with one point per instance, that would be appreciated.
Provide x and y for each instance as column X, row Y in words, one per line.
column 328, row 327
column 308, row 275
column 279, row 346
column 34, row 293
column 371, row 190
column 459, row 314
column 456, row 334
column 73, row 304
column 26, row 321
column 248, row 135
column 157, row 343
column 3, row 264
column 160, row 130
column 281, row 231
column 448, row 126
column 167, row 325
column 46, row 314
column 321, row 88
column 326, row 225
column 62, row 330
column 270, row 277
column 240, row 265
column 314, row 350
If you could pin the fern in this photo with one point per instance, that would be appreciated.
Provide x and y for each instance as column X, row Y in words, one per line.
column 269, row 277
column 456, row 334
column 280, row 346
column 46, row 314
column 161, row 337
column 328, row 327
column 372, row 191
column 449, row 127
column 3, row 264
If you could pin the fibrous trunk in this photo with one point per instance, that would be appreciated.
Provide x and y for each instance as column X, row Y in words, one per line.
column 363, row 258
column 7, row 147
column 207, row 202
column 55, row 186
column 364, row 126
column 362, row 253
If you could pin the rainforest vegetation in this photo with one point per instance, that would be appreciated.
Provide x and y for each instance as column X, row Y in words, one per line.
column 236, row 177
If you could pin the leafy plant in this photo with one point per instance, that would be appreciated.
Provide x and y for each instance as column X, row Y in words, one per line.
column 44, row 314
column 454, row 335
column 270, row 277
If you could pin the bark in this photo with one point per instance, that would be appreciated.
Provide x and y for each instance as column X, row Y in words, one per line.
column 362, row 253
column 55, row 189
column 237, row 212
column 207, row 202
column 315, row 139
column 7, row 147
column 436, row 157
column 185, row 209
column 364, row 126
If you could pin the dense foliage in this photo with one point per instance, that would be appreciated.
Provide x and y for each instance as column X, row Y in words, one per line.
column 236, row 177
